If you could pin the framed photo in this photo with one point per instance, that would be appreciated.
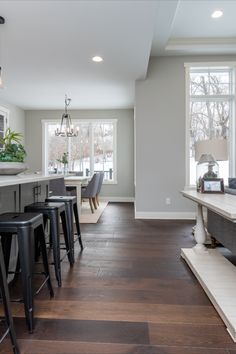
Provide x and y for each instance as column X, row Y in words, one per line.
column 213, row 185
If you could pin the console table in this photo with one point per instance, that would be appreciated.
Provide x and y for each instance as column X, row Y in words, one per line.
column 215, row 273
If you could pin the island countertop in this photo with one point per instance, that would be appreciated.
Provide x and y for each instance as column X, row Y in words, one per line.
column 23, row 178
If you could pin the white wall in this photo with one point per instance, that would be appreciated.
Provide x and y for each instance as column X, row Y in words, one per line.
column 16, row 118
column 124, row 189
column 160, row 138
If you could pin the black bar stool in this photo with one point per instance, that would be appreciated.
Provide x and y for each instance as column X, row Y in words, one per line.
column 71, row 207
column 27, row 226
column 6, row 306
column 53, row 212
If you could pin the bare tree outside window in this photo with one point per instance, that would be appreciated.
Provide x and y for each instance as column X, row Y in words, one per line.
column 57, row 146
column 210, row 107
column 80, row 149
column 103, row 147
column 91, row 151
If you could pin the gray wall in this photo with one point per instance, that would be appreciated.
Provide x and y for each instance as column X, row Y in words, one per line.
column 160, row 136
column 125, row 151
column 16, row 118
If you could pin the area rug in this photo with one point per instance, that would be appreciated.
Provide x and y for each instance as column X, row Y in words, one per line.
column 86, row 216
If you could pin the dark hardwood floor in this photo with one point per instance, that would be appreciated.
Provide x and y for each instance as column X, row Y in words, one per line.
column 129, row 292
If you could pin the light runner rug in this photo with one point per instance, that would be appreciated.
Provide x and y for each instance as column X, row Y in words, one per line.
column 86, row 216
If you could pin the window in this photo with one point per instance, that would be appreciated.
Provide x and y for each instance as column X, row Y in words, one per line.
column 210, row 112
column 93, row 150
column 4, row 113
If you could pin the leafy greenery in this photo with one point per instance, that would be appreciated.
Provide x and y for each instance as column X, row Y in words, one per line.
column 64, row 158
column 13, row 150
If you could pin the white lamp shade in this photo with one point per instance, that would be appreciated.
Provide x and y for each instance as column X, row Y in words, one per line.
column 218, row 148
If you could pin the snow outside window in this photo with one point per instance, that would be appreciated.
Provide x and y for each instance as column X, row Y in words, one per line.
column 93, row 150
column 210, row 103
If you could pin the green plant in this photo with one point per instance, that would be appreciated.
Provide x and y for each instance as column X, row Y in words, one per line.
column 64, row 158
column 13, row 150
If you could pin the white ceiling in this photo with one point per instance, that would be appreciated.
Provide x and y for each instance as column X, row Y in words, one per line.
column 189, row 28
column 46, row 46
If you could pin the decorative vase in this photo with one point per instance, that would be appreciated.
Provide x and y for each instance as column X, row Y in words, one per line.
column 65, row 169
column 12, row 168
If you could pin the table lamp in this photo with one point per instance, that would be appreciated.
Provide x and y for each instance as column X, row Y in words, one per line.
column 207, row 153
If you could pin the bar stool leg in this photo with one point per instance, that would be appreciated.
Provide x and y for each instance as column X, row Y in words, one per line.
column 41, row 236
column 67, row 237
column 69, row 208
column 6, row 246
column 78, row 225
column 26, row 253
column 6, row 303
column 55, row 236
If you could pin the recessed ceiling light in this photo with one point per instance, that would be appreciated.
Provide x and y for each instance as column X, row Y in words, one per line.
column 217, row 14
column 97, row 59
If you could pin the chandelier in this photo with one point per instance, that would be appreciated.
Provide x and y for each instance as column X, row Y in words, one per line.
column 66, row 128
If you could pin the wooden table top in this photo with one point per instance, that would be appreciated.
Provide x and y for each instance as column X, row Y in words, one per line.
column 222, row 204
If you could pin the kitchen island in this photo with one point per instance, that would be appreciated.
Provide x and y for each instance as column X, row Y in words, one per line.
column 18, row 191
column 23, row 189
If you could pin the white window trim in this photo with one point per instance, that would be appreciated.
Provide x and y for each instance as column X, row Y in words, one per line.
column 46, row 122
column 232, row 153
column 5, row 112
column 187, row 128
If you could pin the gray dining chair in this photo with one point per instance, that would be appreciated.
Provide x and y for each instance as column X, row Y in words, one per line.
column 90, row 191
column 101, row 177
column 57, row 187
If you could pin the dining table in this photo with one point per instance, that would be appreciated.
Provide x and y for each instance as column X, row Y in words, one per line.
column 77, row 182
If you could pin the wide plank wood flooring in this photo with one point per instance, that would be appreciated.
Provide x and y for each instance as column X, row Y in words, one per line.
column 129, row 292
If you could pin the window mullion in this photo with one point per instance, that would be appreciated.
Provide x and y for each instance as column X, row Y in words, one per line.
column 69, row 150
column 103, row 154
column 91, row 147
column 187, row 127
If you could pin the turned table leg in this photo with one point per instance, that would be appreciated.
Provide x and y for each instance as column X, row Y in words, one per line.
column 200, row 232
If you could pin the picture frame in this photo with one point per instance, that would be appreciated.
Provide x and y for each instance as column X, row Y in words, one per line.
column 212, row 185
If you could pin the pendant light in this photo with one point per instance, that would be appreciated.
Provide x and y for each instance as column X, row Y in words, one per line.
column 66, row 128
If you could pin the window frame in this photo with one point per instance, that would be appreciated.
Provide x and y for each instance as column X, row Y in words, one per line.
column 232, row 126
column 47, row 122
column 4, row 112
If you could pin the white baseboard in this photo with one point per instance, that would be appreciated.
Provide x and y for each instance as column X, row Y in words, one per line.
column 165, row 215
column 118, row 199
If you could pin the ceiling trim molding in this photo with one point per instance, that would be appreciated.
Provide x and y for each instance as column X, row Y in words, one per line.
column 213, row 64
column 166, row 14
column 198, row 43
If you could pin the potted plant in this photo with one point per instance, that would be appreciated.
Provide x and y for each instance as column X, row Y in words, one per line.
column 12, row 153
column 64, row 161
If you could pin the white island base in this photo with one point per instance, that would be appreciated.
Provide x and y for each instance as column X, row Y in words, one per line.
column 217, row 276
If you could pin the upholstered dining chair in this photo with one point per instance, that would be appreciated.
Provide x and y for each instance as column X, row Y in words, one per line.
column 101, row 177
column 57, row 187
column 90, row 191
